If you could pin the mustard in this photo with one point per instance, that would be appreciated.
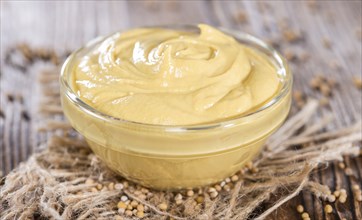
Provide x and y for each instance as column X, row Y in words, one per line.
column 170, row 77
column 173, row 109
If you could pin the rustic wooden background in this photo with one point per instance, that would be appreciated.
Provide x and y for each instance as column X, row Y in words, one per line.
column 331, row 39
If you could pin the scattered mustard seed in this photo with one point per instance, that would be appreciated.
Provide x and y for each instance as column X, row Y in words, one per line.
column 342, row 199
column 349, row 171
column 300, row 208
column 129, row 213
column 241, row 17
column 234, row 178
column 355, row 187
column 326, row 43
column 218, row 188
column 99, row 186
column 341, row 165
column 124, row 198
column 334, row 65
column 214, row 194
column 325, row 89
column 328, row 209
column 111, row 186
column 291, row 35
column 190, row 193
column 140, row 208
column 200, row 199
column 337, row 193
column 162, row 206
column 305, row 215
column 357, row 83
column 140, row 214
column 89, row 181
column 134, row 204
column 331, row 198
column 324, row 101
column 359, row 33
column 289, row 54
column 121, row 205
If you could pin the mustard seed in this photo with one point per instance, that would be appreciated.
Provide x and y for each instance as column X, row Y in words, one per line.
column 331, row 198
column 121, row 211
column 227, row 188
column 305, row 215
column 241, row 17
column 129, row 207
column 118, row 186
column 324, row 101
column 178, row 201
column 214, row 194
column 178, row 196
column 200, row 199
column 326, row 43
column 118, row 217
column 162, row 206
column 254, row 170
column 190, row 193
column 99, row 186
column 142, row 196
column 89, row 181
column 140, row 214
column 218, row 188
column 134, row 203
column 328, row 209
column 211, row 189
column 145, row 190
column 357, row 82
column 342, row 199
column 129, row 213
column 234, row 178
column 291, row 35
column 359, row 196
column 121, row 205
column 337, row 193
column 300, row 208
column 341, row 165
column 140, row 208
column 289, row 54
column 111, row 186
column 315, row 83
column 325, row 89
column 355, row 187
column 349, row 171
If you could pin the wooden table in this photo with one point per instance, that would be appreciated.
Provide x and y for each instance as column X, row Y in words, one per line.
column 329, row 32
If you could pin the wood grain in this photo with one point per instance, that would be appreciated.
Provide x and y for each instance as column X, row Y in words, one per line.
column 68, row 25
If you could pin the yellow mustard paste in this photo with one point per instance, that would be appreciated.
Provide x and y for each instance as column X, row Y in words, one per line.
column 181, row 88
column 172, row 77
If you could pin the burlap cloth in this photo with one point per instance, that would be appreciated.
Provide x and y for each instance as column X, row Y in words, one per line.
column 54, row 183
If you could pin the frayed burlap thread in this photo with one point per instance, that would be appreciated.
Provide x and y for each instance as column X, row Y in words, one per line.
column 52, row 184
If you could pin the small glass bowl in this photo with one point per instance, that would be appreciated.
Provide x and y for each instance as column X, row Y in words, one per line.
column 175, row 157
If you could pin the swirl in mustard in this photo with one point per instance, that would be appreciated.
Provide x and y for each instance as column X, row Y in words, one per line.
column 172, row 77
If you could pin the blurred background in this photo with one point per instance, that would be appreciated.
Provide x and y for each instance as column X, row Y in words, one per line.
column 321, row 40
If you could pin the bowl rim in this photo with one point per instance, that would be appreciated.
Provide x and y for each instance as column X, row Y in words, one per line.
column 281, row 65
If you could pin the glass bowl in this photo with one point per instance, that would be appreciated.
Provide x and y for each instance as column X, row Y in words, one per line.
column 175, row 157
